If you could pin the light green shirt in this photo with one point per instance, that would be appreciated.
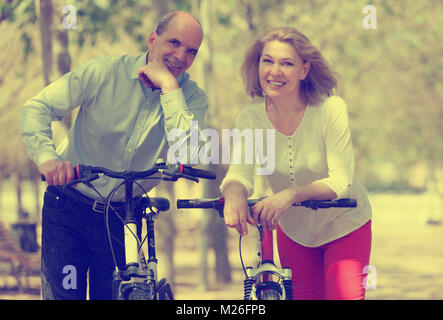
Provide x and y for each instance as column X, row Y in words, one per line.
column 121, row 124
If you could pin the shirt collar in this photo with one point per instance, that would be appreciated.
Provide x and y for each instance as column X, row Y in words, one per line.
column 139, row 62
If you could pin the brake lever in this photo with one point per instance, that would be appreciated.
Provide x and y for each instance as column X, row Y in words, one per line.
column 174, row 176
column 85, row 180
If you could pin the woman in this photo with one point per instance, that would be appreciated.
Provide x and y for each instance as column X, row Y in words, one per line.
column 328, row 250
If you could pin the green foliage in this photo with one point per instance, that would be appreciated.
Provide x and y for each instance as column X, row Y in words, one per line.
column 391, row 77
column 27, row 45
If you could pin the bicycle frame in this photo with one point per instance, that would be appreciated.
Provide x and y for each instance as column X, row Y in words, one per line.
column 138, row 280
column 267, row 281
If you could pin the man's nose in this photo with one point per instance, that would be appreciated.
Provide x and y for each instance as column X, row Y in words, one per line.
column 180, row 55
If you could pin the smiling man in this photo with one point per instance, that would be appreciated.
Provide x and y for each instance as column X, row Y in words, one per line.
column 128, row 104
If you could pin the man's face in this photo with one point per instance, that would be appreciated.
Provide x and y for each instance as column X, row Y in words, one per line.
column 177, row 46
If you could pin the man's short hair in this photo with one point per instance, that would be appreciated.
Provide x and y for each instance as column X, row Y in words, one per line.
column 166, row 18
column 164, row 21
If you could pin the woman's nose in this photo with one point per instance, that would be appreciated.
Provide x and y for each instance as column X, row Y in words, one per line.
column 275, row 70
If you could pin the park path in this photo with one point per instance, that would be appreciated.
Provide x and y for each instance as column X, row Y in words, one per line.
column 406, row 261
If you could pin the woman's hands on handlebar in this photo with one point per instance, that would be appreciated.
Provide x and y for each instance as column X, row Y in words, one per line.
column 270, row 209
column 236, row 209
column 266, row 212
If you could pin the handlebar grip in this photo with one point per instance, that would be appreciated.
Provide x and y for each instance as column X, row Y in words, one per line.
column 340, row 203
column 162, row 204
column 199, row 173
column 217, row 203
column 78, row 170
column 347, row 203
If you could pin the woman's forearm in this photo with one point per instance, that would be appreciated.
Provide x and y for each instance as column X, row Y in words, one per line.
column 234, row 189
column 313, row 191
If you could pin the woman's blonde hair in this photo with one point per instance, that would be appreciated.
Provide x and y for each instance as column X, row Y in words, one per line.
column 321, row 80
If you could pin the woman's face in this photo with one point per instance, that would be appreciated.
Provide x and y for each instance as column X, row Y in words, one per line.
column 281, row 69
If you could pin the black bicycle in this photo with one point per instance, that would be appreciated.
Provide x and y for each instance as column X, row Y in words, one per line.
column 138, row 280
column 266, row 281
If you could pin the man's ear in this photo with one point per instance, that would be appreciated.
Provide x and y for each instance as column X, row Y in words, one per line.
column 151, row 39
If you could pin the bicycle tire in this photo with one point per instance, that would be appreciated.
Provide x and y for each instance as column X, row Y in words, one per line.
column 139, row 294
column 164, row 290
column 270, row 294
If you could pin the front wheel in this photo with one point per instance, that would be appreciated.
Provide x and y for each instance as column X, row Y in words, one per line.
column 164, row 290
column 270, row 294
column 139, row 294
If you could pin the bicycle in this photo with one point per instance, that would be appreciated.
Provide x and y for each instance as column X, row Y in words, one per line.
column 266, row 281
column 138, row 280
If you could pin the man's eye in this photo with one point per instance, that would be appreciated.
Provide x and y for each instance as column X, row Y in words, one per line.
column 175, row 43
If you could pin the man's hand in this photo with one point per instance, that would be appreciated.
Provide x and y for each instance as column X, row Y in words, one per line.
column 57, row 172
column 156, row 74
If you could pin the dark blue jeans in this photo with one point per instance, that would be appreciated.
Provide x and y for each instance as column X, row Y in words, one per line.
column 75, row 243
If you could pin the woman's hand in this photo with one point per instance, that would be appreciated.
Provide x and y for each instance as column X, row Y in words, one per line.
column 236, row 210
column 268, row 211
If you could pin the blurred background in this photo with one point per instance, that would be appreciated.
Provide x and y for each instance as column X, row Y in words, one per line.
column 389, row 57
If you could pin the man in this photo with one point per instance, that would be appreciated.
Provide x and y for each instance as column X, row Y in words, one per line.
column 127, row 106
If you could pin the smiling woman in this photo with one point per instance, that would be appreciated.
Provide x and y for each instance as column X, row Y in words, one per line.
column 320, row 80
column 327, row 252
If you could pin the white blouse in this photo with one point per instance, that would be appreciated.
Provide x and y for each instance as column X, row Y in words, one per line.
column 320, row 149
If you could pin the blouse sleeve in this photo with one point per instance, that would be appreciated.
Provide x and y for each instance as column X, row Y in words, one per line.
column 240, row 170
column 338, row 144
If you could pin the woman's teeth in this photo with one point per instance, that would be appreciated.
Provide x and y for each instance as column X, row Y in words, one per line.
column 276, row 83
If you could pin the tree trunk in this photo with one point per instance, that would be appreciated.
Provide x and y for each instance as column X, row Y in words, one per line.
column 45, row 23
column 64, row 65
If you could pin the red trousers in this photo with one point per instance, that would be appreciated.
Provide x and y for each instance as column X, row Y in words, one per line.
column 334, row 271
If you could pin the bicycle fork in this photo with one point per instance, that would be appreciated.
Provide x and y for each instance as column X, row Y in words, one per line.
column 267, row 281
column 137, row 278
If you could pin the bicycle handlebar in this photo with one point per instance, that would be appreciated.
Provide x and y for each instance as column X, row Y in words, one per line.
column 84, row 173
column 218, row 204
column 162, row 204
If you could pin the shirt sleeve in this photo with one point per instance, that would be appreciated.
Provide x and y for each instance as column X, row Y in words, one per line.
column 338, row 143
column 184, row 120
column 240, row 170
column 51, row 104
